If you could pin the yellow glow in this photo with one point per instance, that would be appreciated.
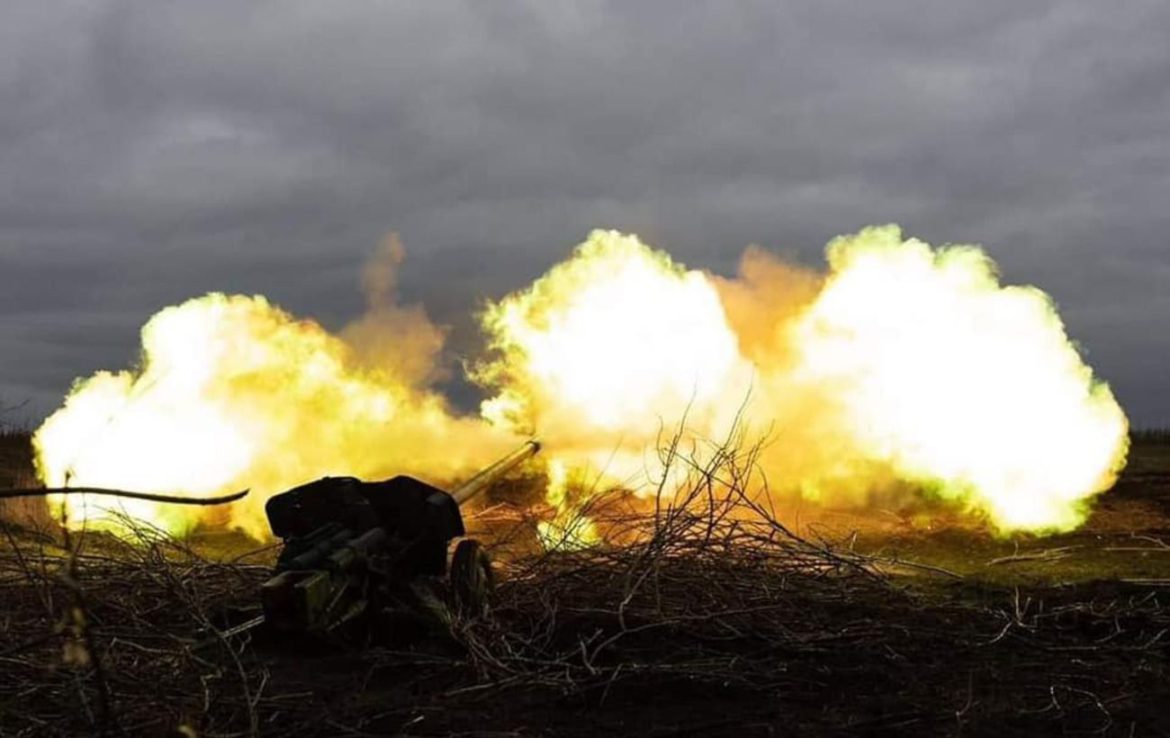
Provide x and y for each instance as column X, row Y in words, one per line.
column 956, row 382
column 570, row 528
column 610, row 339
column 902, row 373
column 236, row 393
column 601, row 354
column 903, row 368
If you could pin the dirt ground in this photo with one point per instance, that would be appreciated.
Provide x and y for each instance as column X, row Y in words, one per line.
column 858, row 627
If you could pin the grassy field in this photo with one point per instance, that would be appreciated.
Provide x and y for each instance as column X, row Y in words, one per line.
column 707, row 625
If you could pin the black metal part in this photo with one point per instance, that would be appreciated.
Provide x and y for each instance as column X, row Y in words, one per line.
column 472, row 579
column 128, row 494
column 354, row 549
column 419, row 520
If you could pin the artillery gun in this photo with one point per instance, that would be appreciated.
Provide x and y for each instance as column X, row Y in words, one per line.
column 357, row 550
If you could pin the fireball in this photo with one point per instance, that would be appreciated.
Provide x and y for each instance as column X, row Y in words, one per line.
column 901, row 373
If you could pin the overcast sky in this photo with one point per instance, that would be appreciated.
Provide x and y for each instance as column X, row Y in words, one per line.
column 155, row 150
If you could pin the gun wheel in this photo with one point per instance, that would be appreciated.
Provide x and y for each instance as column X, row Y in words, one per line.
column 472, row 580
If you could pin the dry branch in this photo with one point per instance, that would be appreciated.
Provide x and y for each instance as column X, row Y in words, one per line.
column 703, row 601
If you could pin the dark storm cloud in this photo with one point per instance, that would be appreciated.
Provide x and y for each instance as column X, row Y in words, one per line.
column 152, row 151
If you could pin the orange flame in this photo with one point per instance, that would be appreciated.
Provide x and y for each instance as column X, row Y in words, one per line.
column 235, row 393
column 902, row 372
column 902, row 365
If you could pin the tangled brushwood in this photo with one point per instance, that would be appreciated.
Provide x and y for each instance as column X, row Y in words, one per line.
column 705, row 617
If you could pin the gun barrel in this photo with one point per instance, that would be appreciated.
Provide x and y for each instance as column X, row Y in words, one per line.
column 485, row 477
